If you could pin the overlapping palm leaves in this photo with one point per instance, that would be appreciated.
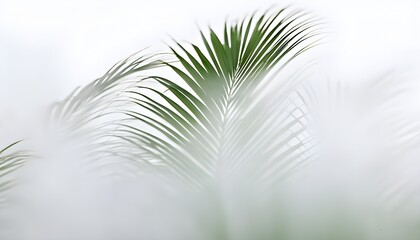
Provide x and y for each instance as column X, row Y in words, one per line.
column 223, row 111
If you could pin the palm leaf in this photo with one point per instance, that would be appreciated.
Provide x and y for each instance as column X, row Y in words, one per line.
column 95, row 99
column 88, row 117
column 195, row 121
column 9, row 163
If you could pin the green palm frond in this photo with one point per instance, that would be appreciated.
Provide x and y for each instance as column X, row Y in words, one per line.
column 215, row 115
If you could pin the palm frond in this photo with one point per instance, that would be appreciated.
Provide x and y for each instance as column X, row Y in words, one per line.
column 10, row 162
column 93, row 101
column 215, row 115
column 90, row 115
